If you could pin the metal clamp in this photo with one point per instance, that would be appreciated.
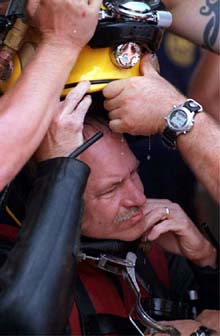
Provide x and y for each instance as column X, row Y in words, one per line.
column 152, row 326
column 126, row 268
column 108, row 263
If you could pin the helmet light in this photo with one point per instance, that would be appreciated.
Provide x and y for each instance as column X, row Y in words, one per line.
column 126, row 55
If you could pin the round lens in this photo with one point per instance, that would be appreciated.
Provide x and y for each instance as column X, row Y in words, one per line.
column 126, row 55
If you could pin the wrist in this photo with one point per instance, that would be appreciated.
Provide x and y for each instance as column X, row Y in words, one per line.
column 208, row 257
column 175, row 100
column 58, row 45
column 180, row 121
column 60, row 59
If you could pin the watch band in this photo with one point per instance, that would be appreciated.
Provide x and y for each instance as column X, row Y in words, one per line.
column 169, row 136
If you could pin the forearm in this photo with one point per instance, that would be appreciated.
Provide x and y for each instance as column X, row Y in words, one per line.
column 197, row 21
column 207, row 71
column 26, row 110
column 37, row 279
column 201, row 149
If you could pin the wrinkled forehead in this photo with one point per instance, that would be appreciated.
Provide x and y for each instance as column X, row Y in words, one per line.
column 109, row 153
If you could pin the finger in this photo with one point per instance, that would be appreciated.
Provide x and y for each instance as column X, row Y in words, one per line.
column 74, row 97
column 115, row 114
column 147, row 64
column 155, row 216
column 79, row 91
column 163, row 227
column 113, row 89
column 159, row 200
column 116, row 126
column 82, row 108
column 31, row 7
column 113, row 103
column 152, row 204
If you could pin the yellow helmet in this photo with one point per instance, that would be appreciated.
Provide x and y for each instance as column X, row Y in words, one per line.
column 125, row 30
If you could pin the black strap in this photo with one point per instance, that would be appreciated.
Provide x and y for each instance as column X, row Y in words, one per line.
column 110, row 324
column 169, row 138
column 88, row 318
column 99, row 324
column 152, row 283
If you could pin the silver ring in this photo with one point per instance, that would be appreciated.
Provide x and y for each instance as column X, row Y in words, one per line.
column 166, row 214
column 167, row 211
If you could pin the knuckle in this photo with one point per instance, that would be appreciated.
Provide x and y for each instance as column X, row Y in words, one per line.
column 177, row 206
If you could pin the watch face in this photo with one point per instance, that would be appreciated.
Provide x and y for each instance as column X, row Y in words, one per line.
column 178, row 119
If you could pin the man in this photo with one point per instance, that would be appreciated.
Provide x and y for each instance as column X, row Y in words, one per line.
column 65, row 27
column 126, row 99
column 116, row 208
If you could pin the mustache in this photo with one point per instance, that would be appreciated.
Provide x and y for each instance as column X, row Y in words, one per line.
column 126, row 215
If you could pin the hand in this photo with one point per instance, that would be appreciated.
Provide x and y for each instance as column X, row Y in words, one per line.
column 65, row 132
column 176, row 233
column 65, row 22
column 186, row 327
column 210, row 319
column 138, row 105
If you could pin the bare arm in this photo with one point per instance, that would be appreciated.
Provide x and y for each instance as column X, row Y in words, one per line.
column 27, row 109
column 201, row 149
column 187, row 327
column 197, row 21
column 210, row 318
column 204, row 85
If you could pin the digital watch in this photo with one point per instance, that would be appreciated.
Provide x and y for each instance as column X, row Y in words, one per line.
column 180, row 121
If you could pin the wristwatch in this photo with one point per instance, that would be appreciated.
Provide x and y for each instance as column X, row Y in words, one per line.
column 180, row 121
column 204, row 331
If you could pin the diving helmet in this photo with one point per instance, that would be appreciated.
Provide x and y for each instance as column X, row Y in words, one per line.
column 126, row 29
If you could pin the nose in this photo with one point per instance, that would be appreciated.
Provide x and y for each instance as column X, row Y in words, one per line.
column 134, row 195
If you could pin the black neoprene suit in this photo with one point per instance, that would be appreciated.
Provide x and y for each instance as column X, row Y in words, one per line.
column 38, row 278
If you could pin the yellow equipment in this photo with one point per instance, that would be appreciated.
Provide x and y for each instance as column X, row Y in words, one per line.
column 125, row 30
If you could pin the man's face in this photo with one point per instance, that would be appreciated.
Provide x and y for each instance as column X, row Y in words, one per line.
column 114, row 194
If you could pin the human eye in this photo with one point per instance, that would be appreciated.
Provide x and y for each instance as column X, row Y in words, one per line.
column 109, row 191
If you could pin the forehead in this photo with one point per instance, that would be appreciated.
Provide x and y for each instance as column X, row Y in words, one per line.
column 109, row 158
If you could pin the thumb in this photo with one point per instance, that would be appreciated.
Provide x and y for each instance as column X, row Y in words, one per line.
column 31, row 8
column 149, row 64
